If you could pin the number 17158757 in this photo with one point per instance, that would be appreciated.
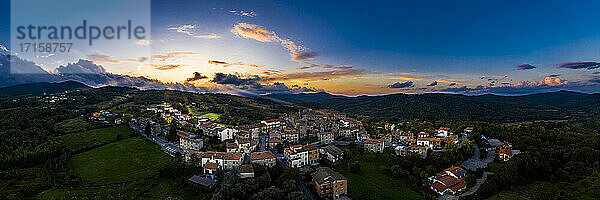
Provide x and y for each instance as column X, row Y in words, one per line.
column 45, row 47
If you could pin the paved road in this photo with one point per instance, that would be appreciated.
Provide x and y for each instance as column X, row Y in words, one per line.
column 474, row 162
column 480, row 182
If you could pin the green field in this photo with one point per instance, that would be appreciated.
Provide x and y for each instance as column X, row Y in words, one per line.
column 211, row 116
column 506, row 195
column 78, row 124
column 117, row 191
column 125, row 160
column 96, row 137
column 371, row 182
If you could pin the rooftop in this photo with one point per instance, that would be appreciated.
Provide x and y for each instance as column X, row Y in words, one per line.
column 324, row 174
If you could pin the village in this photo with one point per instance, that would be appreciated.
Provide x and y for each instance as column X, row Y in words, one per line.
column 304, row 140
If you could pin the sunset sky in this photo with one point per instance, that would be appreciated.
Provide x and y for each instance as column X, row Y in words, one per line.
column 357, row 47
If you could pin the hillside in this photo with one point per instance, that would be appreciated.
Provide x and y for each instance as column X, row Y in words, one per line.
column 544, row 106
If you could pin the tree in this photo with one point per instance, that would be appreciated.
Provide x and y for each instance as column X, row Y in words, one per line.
column 296, row 195
column 172, row 135
column 148, row 129
column 354, row 167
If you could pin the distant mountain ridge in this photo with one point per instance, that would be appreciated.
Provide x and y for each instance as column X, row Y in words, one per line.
column 437, row 106
column 37, row 89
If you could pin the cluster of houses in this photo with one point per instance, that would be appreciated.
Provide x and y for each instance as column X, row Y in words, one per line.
column 251, row 144
column 410, row 143
column 504, row 149
column 104, row 116
column 169, row 113
column 306, row 137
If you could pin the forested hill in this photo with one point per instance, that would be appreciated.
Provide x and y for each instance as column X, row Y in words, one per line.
column 494, row 108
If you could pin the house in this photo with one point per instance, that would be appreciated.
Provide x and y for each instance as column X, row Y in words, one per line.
column 191, row 142
column 232, row 147
column 273, row 142
column 301, row 155
column 246, row 171
column 412, row 149
column 329, row 183
column 272, row 123
column 245, row 145
column 325, row 137
column 224, row 160
column 505, row 154
column 206, row 181
column 332, row 153
column 494, row 143
column 265, row 158
column 432, row 143
column 469, row 129
column 290, row 135
column 374, row 145
column 449, row 181
column 226, row 133
column 210, row 167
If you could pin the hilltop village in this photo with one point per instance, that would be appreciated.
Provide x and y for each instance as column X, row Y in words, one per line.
column 309, row 140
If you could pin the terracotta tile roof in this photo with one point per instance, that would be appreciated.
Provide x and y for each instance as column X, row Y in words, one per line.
column 439, row 187
column 211, row 165
column 220, row 155
column 373, row 141
column 323, row 174
column 261, row 155
column 448, row 180
column 458, row 187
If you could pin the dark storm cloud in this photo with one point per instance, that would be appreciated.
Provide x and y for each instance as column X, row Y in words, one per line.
column 580, row 65
column 525, row 67
column 197, row 76
column 401, row 85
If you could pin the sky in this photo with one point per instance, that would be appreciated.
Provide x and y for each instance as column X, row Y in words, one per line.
column 350, row 47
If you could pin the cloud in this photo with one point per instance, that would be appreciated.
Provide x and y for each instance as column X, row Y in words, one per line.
column 305, row 56
column 101, row 58
column 172, row 55
column 580, row 65
column 434, row 83
column 521, row 87
column 322, row 75
column 554, row 75
column 414, row 77
column 232, row 79
column 197, row 76
column 452, row 84
column 258, row 33
column 165, row 67
column 243, row 13
column 226, row 64
column 525, row 67
column 595, row 80
column 253, row 85
column 45, row 56
column 401, row 85
column 187, row 29
column 143, row 42
column 81, row 67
